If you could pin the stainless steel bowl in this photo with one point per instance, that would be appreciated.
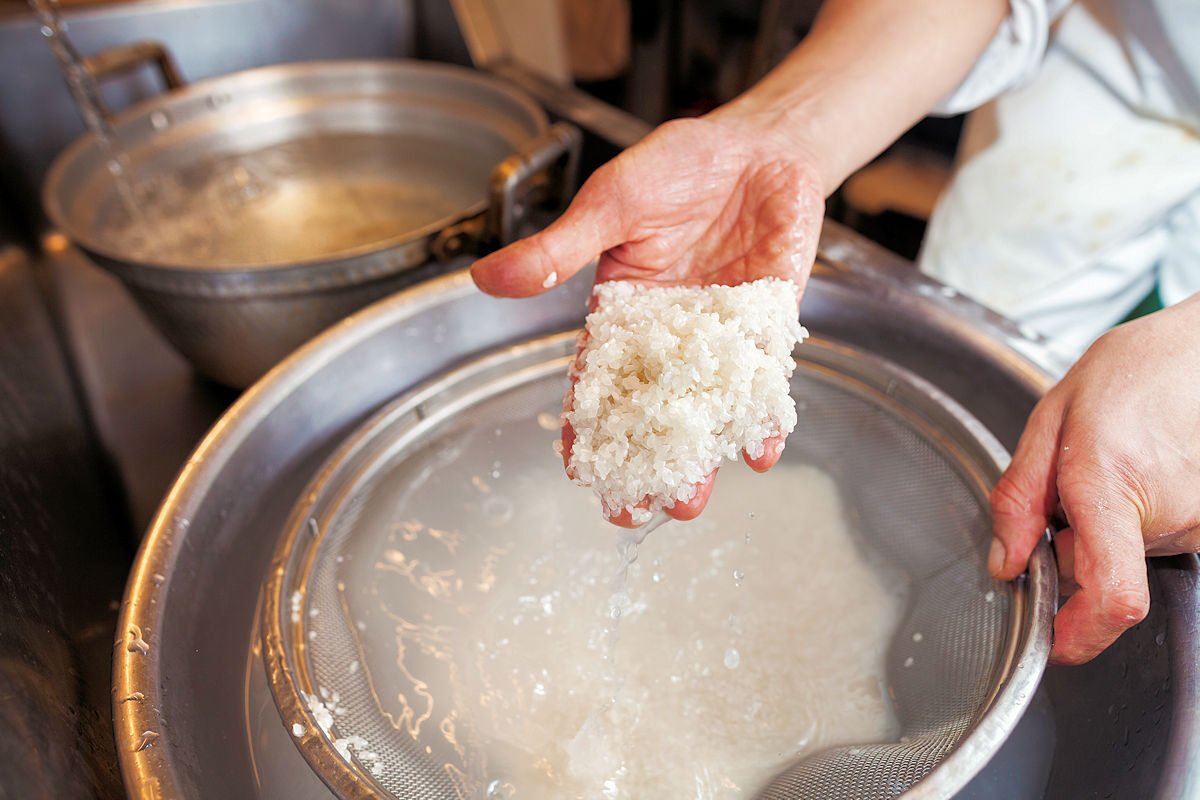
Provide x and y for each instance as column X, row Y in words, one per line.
column 271, row 203
column 185, row 699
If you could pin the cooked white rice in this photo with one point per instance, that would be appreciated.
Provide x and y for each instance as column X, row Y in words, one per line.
column 675, row 379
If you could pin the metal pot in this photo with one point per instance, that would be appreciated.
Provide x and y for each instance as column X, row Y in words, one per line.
column 269, row 204
column 188, row 687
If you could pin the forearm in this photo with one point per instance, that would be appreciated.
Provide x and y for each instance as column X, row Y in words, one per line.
column 866, row 73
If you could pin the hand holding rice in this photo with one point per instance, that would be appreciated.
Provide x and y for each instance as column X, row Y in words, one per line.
column 675, row 379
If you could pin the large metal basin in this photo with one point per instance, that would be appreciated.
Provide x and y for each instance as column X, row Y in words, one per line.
column 1126, row 724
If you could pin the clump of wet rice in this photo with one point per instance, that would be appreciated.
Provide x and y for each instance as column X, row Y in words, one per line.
column 674, row 380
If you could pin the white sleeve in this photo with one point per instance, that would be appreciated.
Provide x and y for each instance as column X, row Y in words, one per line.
column 1011, row 59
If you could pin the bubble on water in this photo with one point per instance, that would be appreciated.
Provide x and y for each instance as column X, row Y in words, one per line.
column 539, row 689
column 738, row 577
column 657, row 577
column 732, row 659
column 747, row 538
column 500, row 790
column 498, row 510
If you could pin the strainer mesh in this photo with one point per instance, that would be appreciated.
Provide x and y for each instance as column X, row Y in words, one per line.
column 910, row 499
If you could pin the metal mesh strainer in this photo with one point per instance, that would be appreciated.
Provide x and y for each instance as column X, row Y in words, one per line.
column 913, row 469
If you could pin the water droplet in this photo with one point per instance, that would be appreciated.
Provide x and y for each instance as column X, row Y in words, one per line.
column 134, row 642
column 990, row 596
column 160, row 120
column 1158, row 640
column 146, row 741
column 732, row 659
column 917, row 636
column 738, row 577
column 747, row 538
column 548, row 422
column 908, row 662
column 539, row 689
column 657, row 577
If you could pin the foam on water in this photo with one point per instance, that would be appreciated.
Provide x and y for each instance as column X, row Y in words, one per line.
column 692, row 663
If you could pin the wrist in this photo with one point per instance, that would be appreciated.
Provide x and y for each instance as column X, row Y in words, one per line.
column 792, row 127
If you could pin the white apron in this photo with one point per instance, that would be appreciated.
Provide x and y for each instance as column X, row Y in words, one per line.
column 1079, row 192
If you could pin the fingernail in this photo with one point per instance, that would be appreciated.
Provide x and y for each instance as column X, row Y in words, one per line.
column 996, row 557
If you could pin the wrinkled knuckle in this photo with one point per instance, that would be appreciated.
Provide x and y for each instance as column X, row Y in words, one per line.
column 1125, row 608
column 1007, row 498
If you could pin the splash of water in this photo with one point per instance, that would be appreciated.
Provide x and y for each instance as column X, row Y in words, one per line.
column 86, row 91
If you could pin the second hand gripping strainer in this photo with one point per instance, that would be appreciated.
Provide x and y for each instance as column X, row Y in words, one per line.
column 914, row 470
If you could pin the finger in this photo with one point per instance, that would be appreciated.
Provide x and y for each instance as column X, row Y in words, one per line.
column 1026, row 494
column 568, row 441
column 772, row 452
column 1064, row 557
column 625, row 518
column 692, row 508
column 592, row 224
column 1110, row 571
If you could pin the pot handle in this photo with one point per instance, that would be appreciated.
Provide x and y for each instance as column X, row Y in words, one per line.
column 542, row 173
column 129, row 57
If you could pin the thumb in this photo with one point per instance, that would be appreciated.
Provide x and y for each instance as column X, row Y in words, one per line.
column 593, row 223
column 1026, row 494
